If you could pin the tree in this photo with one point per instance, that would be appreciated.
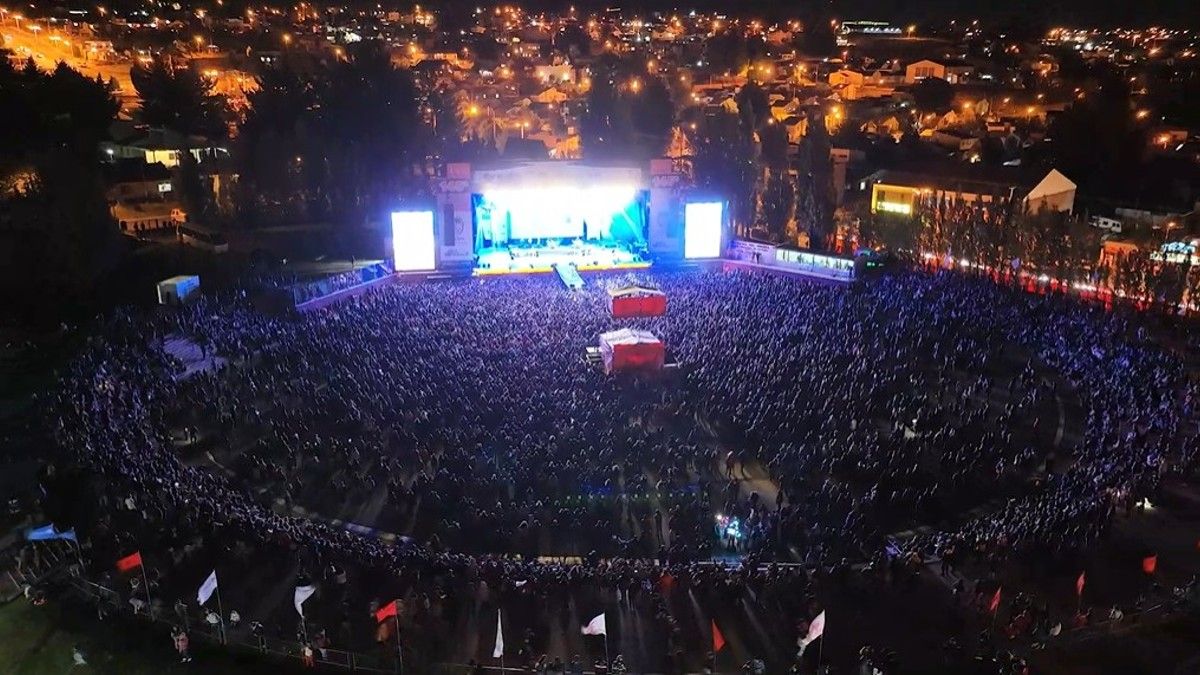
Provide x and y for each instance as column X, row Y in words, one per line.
column 575, row 39
column 779, row 202
column 933, row 94
column 1098, row 143
column 341, row 143
column 653, row 116
column 818, row 38
column 179, row 99
column 753, row 105
column 626, row 113
column 815, row 182
column 58, row 241
column 605, row 128
column 276, row 132
column 727, row 50
column 194, row 193
column 725, row 163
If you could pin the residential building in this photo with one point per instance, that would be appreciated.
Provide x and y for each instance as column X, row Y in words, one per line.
column 953, row 72
column 898, row 191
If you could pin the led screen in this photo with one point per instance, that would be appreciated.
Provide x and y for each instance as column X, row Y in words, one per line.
column 702, row 230
column 558, row 212
column 412, row 240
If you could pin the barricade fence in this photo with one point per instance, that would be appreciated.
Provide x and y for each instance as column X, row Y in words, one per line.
column 235, row 638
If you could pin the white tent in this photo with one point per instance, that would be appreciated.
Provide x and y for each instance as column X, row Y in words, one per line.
column 177, row 290
column 1055, row 192
column 630, row 348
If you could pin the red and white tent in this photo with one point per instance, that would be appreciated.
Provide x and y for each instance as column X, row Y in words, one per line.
column 631, row 349
column 636, row 301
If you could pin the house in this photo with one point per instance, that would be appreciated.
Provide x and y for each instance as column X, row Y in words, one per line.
column 550, row 96
column 846, row 78
column 955, row 139
column 132, row 180
column 156, row 145
column 898, row 191
column 951, row 71
column 553, row 74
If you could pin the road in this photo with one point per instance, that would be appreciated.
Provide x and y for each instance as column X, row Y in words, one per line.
column 49, row 47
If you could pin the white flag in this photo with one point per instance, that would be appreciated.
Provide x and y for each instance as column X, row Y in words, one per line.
column 207, row 588
column 815, row 630
column 499, row 650
column 302, row 594
column 596, row 626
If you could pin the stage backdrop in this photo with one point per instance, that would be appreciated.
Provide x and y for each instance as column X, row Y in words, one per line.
column 558, row 200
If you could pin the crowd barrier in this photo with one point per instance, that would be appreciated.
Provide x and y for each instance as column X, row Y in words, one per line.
column 1044, row 284
column 321, row 292
column 237, row 638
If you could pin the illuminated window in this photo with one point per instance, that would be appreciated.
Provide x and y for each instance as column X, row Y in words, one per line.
column 893, row 207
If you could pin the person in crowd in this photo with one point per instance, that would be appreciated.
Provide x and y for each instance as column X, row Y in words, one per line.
column 465, row 412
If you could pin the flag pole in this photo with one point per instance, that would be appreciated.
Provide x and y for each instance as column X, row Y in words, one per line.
column 220, row 612
column 149, row 602
column 607, row 661
column 399, row 652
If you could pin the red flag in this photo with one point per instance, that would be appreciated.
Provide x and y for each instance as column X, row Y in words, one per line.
column 995, row 603
column 131, row 561
column 1150, row 563
column 1079, row 583
column 718, row 639
column 386, row 612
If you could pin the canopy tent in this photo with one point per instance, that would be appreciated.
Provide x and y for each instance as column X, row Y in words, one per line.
column 631, row 349
column 636, row 301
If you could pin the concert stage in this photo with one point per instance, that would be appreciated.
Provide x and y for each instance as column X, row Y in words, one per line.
column 519, row 218
column 525, row 258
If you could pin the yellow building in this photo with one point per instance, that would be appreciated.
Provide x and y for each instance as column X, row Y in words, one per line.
column 897, row 192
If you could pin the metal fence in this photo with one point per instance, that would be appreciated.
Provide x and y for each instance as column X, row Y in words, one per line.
column 235, row 638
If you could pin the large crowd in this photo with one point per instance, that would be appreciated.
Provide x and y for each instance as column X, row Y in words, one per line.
column 464, row 416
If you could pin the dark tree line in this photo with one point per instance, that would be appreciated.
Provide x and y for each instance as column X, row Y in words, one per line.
column 57, row 237
column 179, row 99
column 342, row 143
column 627, row 113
